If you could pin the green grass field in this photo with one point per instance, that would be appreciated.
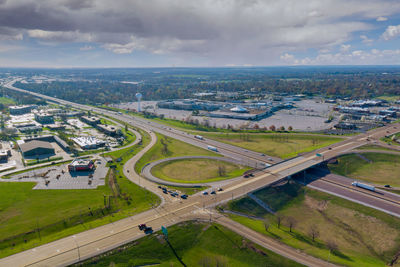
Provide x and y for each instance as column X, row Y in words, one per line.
column 175, row 148
column 278, row 145
column 375, row 147
column 7, row 101
column 59, row 213
column 380, row 168
column 363, row 236
column 197, row 170
column 197, row 244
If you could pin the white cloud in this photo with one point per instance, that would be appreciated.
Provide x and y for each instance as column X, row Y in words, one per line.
column 216, row 31
column 60, row 36
column 381, row 19
column 86, row 48
column 356, row 57
column 391, row 32
column 366, row 40
column 344, row 48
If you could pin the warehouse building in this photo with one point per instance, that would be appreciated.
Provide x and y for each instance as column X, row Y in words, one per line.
column 36, row 148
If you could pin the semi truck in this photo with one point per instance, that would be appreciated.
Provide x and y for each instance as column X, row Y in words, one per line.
column 364, row 186
column 199, row 137
column 213, row 148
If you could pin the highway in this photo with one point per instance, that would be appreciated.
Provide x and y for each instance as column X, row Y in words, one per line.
column 341, row 186
column 172, row 210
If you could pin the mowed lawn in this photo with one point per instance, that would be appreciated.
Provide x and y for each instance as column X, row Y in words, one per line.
column 363, row 236
column 175, row 148
column 278, row 145
column 379, row 168
column 59, row 213
column 197, row 170
column 197, row 244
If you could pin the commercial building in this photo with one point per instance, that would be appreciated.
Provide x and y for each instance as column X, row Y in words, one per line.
column 108, row 129
column 36, row 148
column 88, row 142
column 188, row 105
column 44, row 118
column 239, row 109
column 28, row 127
column 19, row 110
column 4, row 154
column 90, row 120
column 81, row 165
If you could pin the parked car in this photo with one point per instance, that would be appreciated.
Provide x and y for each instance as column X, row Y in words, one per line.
column 387, row 185
column 148, row 230
column 184, row 196
column 205, row 193
column 142, row 226
column 220, row 189
column 213, row 192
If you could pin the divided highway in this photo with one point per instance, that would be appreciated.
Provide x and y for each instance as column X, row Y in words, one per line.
column 95, row 241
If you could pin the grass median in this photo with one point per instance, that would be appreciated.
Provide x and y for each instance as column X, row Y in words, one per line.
column 167, row 147
column 197, row 170
column 284, row 145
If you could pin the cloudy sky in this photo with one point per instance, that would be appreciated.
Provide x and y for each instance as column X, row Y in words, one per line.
column 146, row 33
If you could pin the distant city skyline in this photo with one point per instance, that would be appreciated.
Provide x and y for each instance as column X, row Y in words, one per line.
column 183, row 33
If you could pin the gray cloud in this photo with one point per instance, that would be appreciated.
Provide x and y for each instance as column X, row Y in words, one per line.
column 249, row 30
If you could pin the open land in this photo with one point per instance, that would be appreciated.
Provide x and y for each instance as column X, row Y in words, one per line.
column 347, row 233
column 379, row 168
column 33, row 217
column 198, row 244
column 278, row 145
column 195, row 170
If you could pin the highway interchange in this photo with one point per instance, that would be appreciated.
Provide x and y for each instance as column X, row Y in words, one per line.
column 172, row 210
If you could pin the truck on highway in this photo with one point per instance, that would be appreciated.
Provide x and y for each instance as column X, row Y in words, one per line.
column 364, row 186
column 199, row 137
column 213, row 148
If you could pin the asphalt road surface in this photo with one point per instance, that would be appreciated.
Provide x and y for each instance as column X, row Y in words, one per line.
column 173, row 210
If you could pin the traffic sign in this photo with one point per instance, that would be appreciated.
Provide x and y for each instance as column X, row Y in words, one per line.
column 164, row 231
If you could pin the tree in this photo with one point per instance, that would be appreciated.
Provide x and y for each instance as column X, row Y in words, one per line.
column 279, row 219
column 266, row 224
column 290, row 128
column 332, row 246
column 272, row 128
column 282, row 128
column 221, row 170
column 291, row 221
column 313, row 232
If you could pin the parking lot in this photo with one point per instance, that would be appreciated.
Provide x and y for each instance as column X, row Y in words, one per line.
column 58, row 177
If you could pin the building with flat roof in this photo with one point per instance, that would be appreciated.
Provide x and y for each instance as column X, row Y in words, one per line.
column 90, row 120
column 44, row 118
column 108, row 129
column 88, row 142
column 19, row 110
column 81, row 165
column 36, row 148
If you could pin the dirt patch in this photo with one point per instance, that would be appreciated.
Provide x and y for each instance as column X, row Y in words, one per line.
column 316, row 204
